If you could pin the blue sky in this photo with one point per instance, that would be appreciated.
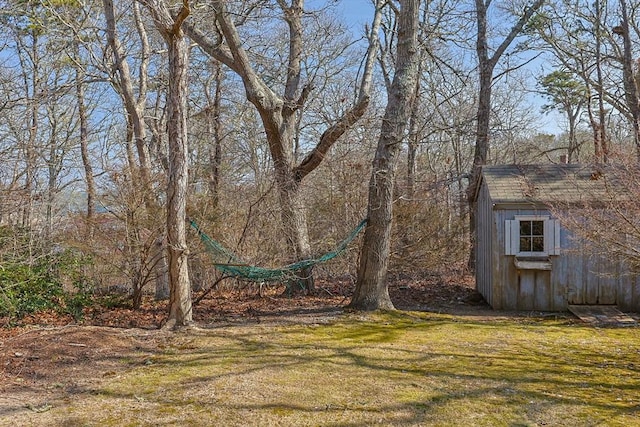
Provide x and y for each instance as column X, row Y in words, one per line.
column 357, row 13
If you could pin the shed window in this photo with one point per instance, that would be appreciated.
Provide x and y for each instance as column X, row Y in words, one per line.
column 532, row 236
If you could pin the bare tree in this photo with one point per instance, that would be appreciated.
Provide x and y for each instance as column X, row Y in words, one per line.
column 280, row 113
column 133, row 103
column 170, row 27
column 608, row 229
column 487, row 62
column 371, row 287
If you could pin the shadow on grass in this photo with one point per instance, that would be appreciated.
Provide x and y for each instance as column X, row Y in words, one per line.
column 395, row 369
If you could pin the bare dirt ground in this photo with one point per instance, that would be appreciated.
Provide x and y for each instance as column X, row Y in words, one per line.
column 50, row 357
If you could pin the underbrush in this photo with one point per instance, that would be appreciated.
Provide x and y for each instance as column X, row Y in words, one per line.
column 49, row 283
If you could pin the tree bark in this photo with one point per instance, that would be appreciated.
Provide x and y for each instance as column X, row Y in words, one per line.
column 372, row 292
column 180, row 301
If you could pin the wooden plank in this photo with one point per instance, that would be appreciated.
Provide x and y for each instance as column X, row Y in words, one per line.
column 591, row 280
column 602, row 315
column 543, row 291
column 607, row 283
column 529, row 264
column 526, row 294
column 558, row 283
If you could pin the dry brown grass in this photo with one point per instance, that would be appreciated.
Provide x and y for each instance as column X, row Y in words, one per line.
column 404, row 368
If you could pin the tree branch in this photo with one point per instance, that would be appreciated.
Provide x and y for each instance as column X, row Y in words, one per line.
column 214, row 48
column 515, row 30
column 331, row 135
column 178, row 20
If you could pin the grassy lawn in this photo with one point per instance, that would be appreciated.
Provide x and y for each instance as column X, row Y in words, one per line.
column 385, row 369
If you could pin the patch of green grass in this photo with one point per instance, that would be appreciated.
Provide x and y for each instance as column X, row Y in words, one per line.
column 382, row 369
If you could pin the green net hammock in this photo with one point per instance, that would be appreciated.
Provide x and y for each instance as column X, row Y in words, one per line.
column 230, row 265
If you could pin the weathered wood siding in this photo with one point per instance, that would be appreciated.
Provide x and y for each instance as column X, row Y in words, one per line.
column 591, row 279
column 575, row 277
column 485, row 236
column 522, row 289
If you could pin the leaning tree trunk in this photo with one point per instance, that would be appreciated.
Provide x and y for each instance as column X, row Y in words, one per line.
column 371, row 291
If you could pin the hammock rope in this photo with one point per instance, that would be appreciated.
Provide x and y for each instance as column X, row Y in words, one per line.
column 231, row 265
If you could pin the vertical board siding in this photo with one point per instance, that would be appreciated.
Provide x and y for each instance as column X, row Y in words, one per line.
column 576, row 277
column 526, row 291
column 484, row 244
column 609, row 280
column 543, row 290
column 625, row 286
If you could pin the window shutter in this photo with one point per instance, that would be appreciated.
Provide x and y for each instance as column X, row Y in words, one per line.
column 511, row 237
column 556, row 236
column 552, row 236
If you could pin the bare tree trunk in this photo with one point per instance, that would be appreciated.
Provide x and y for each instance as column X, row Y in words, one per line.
column 134, row 105
column 180, row 302
column 214, row 128
column 372, row 292
column 601, row 150
column 629, row 80
column 84, row 141
column 294, row 219
column 30, row 148
column 412, row 140
column 180, row 305
column 486, row 66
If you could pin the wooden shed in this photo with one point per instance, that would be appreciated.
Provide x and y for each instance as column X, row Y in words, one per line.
column 526, row 259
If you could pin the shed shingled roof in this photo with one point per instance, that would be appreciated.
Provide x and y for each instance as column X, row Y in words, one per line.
column 565, row 183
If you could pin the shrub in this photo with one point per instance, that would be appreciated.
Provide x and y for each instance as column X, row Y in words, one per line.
column 51, row 282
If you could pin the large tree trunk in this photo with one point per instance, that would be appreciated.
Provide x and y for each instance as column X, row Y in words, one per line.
column 481, row 150
column 180, row 302
column 371, row 291
column 294, row 220
column 180, row 298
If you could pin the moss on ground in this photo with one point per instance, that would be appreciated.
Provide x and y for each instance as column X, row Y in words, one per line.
column 381, row 369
